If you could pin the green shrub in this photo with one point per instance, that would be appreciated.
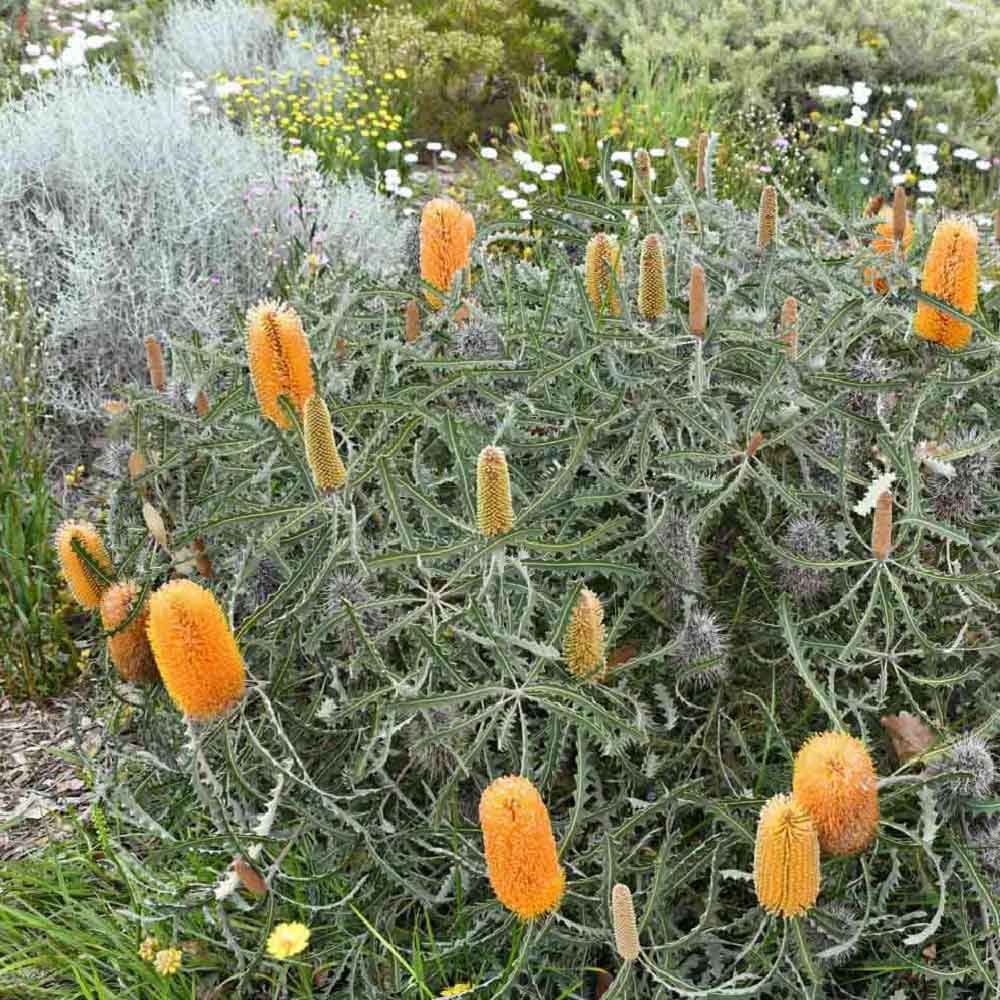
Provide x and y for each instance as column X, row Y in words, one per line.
column 465, row 60
column 706, row 492
column 773, row 52
column 38, row 656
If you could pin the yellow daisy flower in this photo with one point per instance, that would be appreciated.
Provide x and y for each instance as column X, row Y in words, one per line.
column 287, row 940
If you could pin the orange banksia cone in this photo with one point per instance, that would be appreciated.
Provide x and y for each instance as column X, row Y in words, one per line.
column 128, row 647
column 446, row 235
column 834, row 780
column 521, row 853
column 884, row 243
column 951, row 274
column 280, row 359
column 85, row 585
column 195, row 650
column 786, row 858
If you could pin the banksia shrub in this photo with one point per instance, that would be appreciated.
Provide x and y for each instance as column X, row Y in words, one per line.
column 154, row 362
column 698, row 302
column 885, row 243
column 583, row 646
column 642, row 174
column 446, row 235
column 882, row 526
column 195, row 650
column 652, row 279
column 321, row 449
column 790, row 326
column 834, row 780
column 767, row 216
column 85, row 585
column 520, row 850
column 604, row 259
column 496, row 510
column 129, row 646
column 280, row 359
column 623, row 914
column 950, row 273
column 786, row 858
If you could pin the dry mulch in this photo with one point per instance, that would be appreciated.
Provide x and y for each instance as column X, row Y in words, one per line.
column 43, row 779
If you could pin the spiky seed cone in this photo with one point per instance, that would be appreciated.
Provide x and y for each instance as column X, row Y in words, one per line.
column 767, row 216
column 154, row 362
column 834, row 781
column 128, row 648
column 412, row 331
column 520, row 850
column 899, row 219
column 642, row 174
column 874, row 206
column 786, row 858
column 195, row 650
column 652, row 279
column 603, row 260
column 623, row 914
column 882, row 526
column 583, row 647
column 85, row 585
column 280, row 359
column 698, row 302
column 446, row 234
column 201, row 403
column 699, row 177
column 950, row 273
column 790, row 326
column 496, row 510
column 321, row 449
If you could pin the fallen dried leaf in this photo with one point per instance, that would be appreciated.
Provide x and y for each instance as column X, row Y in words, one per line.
column 909, row 736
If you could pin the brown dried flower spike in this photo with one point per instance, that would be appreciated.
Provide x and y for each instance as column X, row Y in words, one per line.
column 767, row 216
column 698, row 302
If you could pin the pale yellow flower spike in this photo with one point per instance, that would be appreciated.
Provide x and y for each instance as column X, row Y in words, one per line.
column 496, row 509
column 583, row 647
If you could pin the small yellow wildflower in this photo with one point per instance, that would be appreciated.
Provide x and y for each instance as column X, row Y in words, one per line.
column 292, row 33
column 457, row 990
column 148, row 948
column 168, row 961
column 287, row 940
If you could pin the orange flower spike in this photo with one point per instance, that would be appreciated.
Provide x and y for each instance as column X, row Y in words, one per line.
column 195, row 650
column 280, row 359
column 85, row 585
column 951, row 274
column 520, row 850
column 154, row 362
column 128, row 647
column 834, row 780
column 698, row 302
column 884, row 243
column 446, row 234
column 786, row 872
column 900, row 221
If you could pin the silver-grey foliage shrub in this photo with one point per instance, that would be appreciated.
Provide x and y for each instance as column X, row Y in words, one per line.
column 130, row 219
column 229, row 36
